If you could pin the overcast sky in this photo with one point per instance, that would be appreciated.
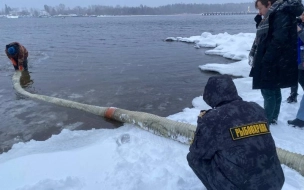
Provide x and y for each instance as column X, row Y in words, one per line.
column 72, row 3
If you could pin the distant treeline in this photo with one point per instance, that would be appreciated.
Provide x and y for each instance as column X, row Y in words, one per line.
column 179, row 8
column 145, row 10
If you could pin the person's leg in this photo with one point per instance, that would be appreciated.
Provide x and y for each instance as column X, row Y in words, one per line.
column 300, row 114
column 301, row 78
column 299, row 120
column 198, row 168
column 25, row 67
column 278, row 100
column 269, row 103
column 293, row 90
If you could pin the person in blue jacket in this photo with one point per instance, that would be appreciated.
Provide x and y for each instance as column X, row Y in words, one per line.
column 294, row 90
column 233, row 148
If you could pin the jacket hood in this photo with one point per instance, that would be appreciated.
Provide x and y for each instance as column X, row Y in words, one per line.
column 294, row 7
column 220, row 90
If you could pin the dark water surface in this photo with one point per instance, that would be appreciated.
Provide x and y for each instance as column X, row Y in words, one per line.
column 111, row 61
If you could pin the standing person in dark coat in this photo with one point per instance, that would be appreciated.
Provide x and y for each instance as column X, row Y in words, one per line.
column 274, row 52
column 18, row 54
column 233, row 148
column 294, row 90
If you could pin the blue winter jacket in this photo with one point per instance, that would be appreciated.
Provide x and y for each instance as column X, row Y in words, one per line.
column 301, row 46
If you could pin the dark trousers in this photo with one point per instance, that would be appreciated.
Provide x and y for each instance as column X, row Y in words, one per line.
column 294, row 89
column 200, row 168
column 272, row 103
column 24, row 65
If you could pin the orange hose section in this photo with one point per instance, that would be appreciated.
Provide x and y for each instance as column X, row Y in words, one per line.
column 109, row 112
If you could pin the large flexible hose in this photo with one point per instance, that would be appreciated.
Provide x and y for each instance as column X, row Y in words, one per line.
column 178, row 131
column 181, row 132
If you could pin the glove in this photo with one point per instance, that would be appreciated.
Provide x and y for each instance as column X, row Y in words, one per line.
column 202, row 113
column 257, row 19
column 20, row 68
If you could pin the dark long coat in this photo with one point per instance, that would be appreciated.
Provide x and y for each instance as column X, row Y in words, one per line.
column 275, row 62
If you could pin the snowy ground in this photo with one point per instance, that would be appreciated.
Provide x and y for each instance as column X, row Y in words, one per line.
column 129, row 158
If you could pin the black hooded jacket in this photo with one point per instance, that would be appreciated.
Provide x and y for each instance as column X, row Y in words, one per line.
column 233, row 148
column 275, row 62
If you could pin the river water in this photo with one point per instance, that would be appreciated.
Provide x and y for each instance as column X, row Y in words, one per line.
column 122, row 62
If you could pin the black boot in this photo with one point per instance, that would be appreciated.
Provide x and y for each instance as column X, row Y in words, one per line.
column 296, row 123
column 292, row 98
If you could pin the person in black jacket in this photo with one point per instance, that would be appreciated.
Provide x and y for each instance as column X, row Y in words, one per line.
column 232, row 147
column 273, row 56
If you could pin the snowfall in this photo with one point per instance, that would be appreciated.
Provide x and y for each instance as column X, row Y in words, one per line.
column 129, row 158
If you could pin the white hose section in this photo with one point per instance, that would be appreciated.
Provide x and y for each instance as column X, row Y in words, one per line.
column 61, row 102
column 292, row 160
column 182, row 132
column 178, row 131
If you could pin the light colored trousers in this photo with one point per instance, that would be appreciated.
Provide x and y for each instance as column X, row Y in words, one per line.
column 300, row 114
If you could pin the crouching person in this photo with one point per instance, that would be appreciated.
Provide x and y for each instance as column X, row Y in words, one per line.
column 233, row 148
column 18, row 54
